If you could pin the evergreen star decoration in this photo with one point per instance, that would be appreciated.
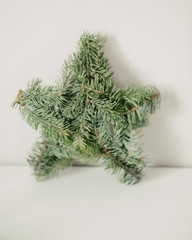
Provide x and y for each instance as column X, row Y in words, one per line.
column 86, row 117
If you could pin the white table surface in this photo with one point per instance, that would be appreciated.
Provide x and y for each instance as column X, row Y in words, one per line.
column 88, row 203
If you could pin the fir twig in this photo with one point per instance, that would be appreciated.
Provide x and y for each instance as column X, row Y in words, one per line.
column 86, row 117
column 118, row 162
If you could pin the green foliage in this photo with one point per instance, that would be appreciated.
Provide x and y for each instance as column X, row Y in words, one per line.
column 84, row 116
column 48, row 158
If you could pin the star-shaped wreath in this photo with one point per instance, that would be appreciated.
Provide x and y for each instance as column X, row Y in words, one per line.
column 86, row 117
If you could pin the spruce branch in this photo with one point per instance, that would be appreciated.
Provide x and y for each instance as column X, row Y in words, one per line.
column 85, row 116
column 120, row 164
column 153, row 97
column 47, row 158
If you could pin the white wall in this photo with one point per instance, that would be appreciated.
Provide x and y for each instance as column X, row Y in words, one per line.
column 149, row 42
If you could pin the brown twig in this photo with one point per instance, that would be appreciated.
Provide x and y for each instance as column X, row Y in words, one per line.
column 131, row 110
column 91, row 89
column 155, row 96
column 18, row 97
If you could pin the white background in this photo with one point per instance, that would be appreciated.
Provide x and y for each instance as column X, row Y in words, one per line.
column 149, row 42
column 87, row 203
